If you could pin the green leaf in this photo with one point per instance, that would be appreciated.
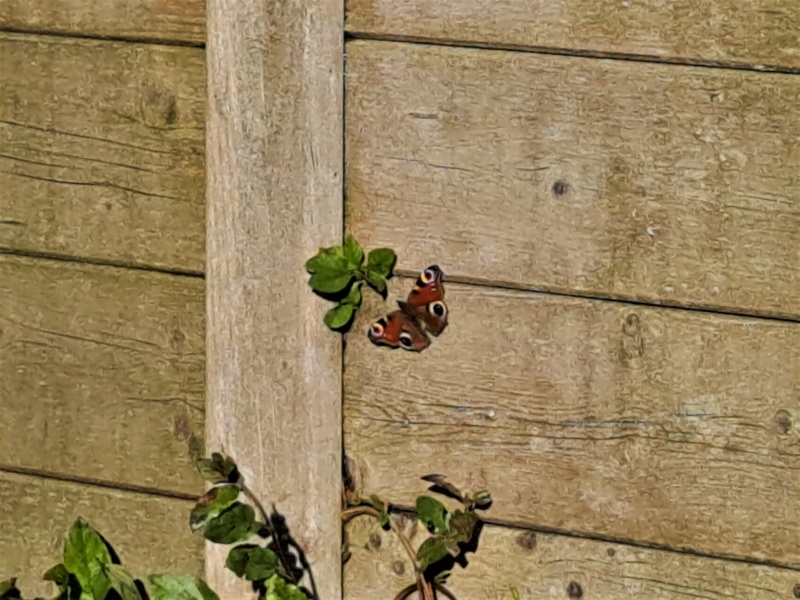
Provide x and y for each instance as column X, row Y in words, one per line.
column 462, row 525
column 319, row 261
column 85, row 555
column 432, row 513
column 234, row 524
column 376, row 280
column 381, row 261
column 252, row 562
column 212, row 503
column 354, row 296
column 353, row 252
column 180, row 587
column 57, row 574
column 339, row 316
column 330, row 270
column 481, row 499
column 218, row 469
column 383, row 513
column 9, row 589
column 278, row 589
column 431, row 551
column 122, row 582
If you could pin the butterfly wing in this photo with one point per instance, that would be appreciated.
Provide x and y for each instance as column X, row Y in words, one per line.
column 426, row 300
column 399, row 330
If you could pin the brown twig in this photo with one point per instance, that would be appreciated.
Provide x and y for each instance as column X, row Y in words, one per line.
column 287, row 566
column 440, row 588
column 406, row 591
column 350, row 513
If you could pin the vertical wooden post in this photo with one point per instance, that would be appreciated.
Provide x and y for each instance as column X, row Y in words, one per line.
column 274, row 188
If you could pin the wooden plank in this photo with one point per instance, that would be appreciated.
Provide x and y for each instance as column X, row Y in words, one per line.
column 673, row 185
column 152, row 20
column 104, row 142
column 543, row 566
column 101, row 372
column 664, row 426
column 759, row 34
column 149, row 533
column 275, row 162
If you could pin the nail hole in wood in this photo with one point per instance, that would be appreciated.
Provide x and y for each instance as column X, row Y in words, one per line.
column 560, row 187
column 574, row 590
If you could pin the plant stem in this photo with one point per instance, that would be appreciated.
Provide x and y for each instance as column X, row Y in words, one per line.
column 287, row 566
column 351, row 513
column 407, row 545
column 444, row 591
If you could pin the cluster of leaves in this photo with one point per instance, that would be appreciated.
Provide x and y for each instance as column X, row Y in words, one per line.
column 91, row 570
column 270, row 565
column 453, row 532
column 338, row 273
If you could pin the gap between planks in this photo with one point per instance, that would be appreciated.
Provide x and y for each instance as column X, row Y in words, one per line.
column 102, row 38
column 101, row 483
column 514, row 526
column 565, row 292
column 621, row 56
column 4, row 250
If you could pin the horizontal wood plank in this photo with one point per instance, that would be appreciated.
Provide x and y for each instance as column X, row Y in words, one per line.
column 663, row 426
column 544, row 566
column 153, row 20
column 150, row 533
column 755, row 34
column 102, row 150
column 102, row 372
column 668, row 184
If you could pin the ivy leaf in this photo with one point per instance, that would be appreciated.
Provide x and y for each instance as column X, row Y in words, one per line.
column 180, row 587
column 432, row 551
column 234, row 524
column 122, row 582
column 380, row 261
column 9, row 589
column 85, row 555
column 354, row 296
column 353, row 252
column 252, row 562
column 462, row 526
column 432, row 513
column 278, row 589
column 218, row 469
column 211, row 504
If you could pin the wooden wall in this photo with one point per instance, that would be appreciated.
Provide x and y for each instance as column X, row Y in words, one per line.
column 612, row 190
column 102, row 117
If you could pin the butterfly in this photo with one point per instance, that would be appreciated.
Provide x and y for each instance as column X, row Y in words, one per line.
column 423, row 311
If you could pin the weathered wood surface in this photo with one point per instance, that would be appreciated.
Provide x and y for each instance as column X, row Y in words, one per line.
column 153, row 20
column 659, row 425
column 755, row 34
column 275, row 161
column 102, row 150
column 150, row 533
column 666, row 184
column 101, row 372
column 543, row 566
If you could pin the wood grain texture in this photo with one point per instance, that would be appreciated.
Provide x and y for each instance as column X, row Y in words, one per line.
column 150, row 533
column 543, row 566
column 275, row 162
column 152, row 20
column 667, row 184
column 664, row 426
column 101, row 150
column 756, row 34
column 101, row 372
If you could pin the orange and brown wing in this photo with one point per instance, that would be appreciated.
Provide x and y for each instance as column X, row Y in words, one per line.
column 399, row 330
column 426, row 300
